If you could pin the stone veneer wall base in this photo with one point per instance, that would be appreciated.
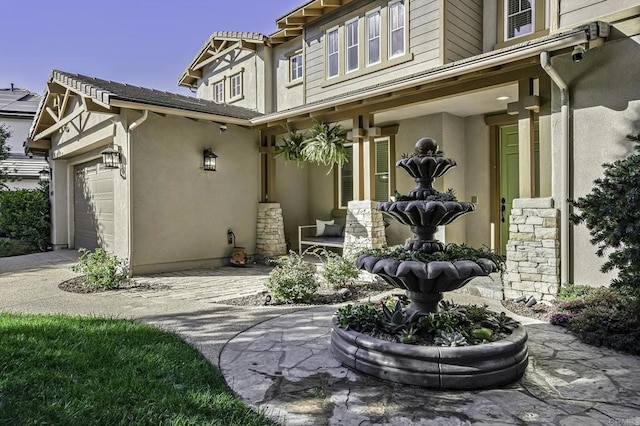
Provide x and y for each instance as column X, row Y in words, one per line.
column 364, row 228
column 270, row 239
column 533, row 250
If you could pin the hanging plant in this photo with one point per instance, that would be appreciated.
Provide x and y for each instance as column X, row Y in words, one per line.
column 291, row 150
column 325, row 145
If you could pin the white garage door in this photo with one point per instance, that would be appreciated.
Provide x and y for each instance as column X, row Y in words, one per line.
column 93, row 213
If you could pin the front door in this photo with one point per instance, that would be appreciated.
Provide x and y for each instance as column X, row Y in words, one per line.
column 509, row 181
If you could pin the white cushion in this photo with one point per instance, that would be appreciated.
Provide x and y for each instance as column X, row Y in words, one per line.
column 320, row 226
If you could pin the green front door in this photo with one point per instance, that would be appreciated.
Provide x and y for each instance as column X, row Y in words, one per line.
column 509, row 182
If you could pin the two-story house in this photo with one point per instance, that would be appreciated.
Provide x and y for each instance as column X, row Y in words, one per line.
column 529, row 97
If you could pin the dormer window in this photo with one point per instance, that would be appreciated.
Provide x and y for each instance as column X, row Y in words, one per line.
column 518, row 18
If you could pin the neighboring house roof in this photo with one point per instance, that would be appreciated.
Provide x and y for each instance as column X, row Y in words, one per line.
column 18, row 103
column 455, row 69
column 219, row 44
column 106, row 92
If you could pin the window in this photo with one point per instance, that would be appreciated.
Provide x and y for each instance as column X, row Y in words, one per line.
column 236, row 86
column 345, row 180
column 518, row 18
column 332, row 53
column 218, row 92
column 381, row 177
column 295, row 67
column 396, row 29
column 373, row 38
column 352, row 45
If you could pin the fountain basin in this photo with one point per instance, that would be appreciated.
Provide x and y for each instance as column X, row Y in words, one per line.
column 426, row 213
column 465, row 367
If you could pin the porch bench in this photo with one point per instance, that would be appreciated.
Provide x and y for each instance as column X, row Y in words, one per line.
column 307, row 240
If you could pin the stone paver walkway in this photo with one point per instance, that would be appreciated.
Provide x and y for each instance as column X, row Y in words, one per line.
column 284, row 366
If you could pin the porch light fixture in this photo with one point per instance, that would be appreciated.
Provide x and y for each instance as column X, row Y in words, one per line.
column 44, row 176
column 209, row 159
column 111, row 158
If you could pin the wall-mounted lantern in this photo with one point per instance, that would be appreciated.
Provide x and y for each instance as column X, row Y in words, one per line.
column 209, row 159
column 44, row 176
column 111, row 158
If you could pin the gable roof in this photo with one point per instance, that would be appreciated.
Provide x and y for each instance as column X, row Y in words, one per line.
column 18, row 103
column 218, row 45
column 106, row 92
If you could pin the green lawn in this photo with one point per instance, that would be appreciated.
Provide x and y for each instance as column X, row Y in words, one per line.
column 60, row 370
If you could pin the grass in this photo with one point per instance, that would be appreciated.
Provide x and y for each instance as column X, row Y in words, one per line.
column 61, row 370
column 9, row 247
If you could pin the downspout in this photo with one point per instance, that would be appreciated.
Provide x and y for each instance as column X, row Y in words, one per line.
column 565, row 251
column 131, row 128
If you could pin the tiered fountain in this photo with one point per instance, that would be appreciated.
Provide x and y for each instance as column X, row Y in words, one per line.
column 469, row 367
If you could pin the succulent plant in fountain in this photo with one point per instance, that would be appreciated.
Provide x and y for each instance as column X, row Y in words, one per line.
column 423, row 212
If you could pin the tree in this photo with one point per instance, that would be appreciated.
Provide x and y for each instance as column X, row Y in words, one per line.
column 5, row 134
column 611, row 212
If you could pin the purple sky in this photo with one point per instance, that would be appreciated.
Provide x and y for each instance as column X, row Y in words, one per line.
column 143, row 42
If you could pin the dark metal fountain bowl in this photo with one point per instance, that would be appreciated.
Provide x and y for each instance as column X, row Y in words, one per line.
column 426, row 213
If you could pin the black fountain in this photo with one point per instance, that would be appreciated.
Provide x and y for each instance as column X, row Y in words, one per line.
column 467, row 367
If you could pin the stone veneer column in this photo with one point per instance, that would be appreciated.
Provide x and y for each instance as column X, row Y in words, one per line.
column 364, row 227
column 270, row 241
column 533, row 250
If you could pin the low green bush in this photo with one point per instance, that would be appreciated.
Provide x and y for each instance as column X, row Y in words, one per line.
column 103, row 270
column 338, row 271
column 605, row 316
column 9, row 247
column 292, row 280
column 24, row 215
column 571, row 292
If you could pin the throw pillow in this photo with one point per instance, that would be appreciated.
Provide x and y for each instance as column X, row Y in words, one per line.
column 333, row 230
column 320, row 224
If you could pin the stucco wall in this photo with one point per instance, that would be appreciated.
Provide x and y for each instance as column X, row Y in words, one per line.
column 605, row 107
column 293, row 195
column 181, row 213
column 287, row 95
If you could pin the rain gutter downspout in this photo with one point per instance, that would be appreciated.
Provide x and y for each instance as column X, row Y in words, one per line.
column 131, row 128
column 565, row 251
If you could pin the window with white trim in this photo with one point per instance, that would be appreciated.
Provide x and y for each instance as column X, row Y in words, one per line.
column 396, row 29
column 373, row 37
column 345, row 180
column 333, row 53
column 518, row 18
column 218, row 92
column 295, row 67
column 236, row 86
column 352, row 50
column 382, row 180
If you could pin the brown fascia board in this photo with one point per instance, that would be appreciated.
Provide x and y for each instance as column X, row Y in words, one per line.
column 308, row 13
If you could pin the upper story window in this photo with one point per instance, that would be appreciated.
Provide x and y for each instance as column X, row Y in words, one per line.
column 373, row 37
column 518, row 18
column 352, row 45
column 236, row 86
column 218, row 92
column 295, row 67
column 396, row 29
column 333, row 53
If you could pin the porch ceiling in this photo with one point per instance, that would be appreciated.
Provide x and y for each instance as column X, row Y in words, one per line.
column 463, row 105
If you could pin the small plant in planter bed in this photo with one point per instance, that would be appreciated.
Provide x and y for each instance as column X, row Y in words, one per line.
column 453, row 325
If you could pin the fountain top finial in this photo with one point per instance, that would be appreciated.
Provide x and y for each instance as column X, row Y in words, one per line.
column 426, row 146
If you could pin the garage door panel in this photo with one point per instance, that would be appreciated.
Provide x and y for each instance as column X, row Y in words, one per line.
column 94, row 206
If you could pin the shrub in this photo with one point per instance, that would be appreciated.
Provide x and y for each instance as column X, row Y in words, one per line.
column 362, row 318
column 9, row 247
column 24, row 215
column 338, row 271
column 292, row 280
column 102, row 269
column 611, row 212
column 571, row 292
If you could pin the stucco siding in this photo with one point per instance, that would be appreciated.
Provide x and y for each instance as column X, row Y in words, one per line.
column 293, row 195
column 605, row 107
column 423, row 43
column 181, row 213
column 477, row 168
column 463, row 29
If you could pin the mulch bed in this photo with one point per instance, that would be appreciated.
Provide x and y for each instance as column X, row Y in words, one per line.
column 541, row 311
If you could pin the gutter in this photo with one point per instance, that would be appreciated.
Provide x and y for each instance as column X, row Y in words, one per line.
column 565, row 250
column 478, row 63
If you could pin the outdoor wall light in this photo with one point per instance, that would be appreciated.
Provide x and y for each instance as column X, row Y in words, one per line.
column 111, row 158
column 44, row 176
column 209, row 159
